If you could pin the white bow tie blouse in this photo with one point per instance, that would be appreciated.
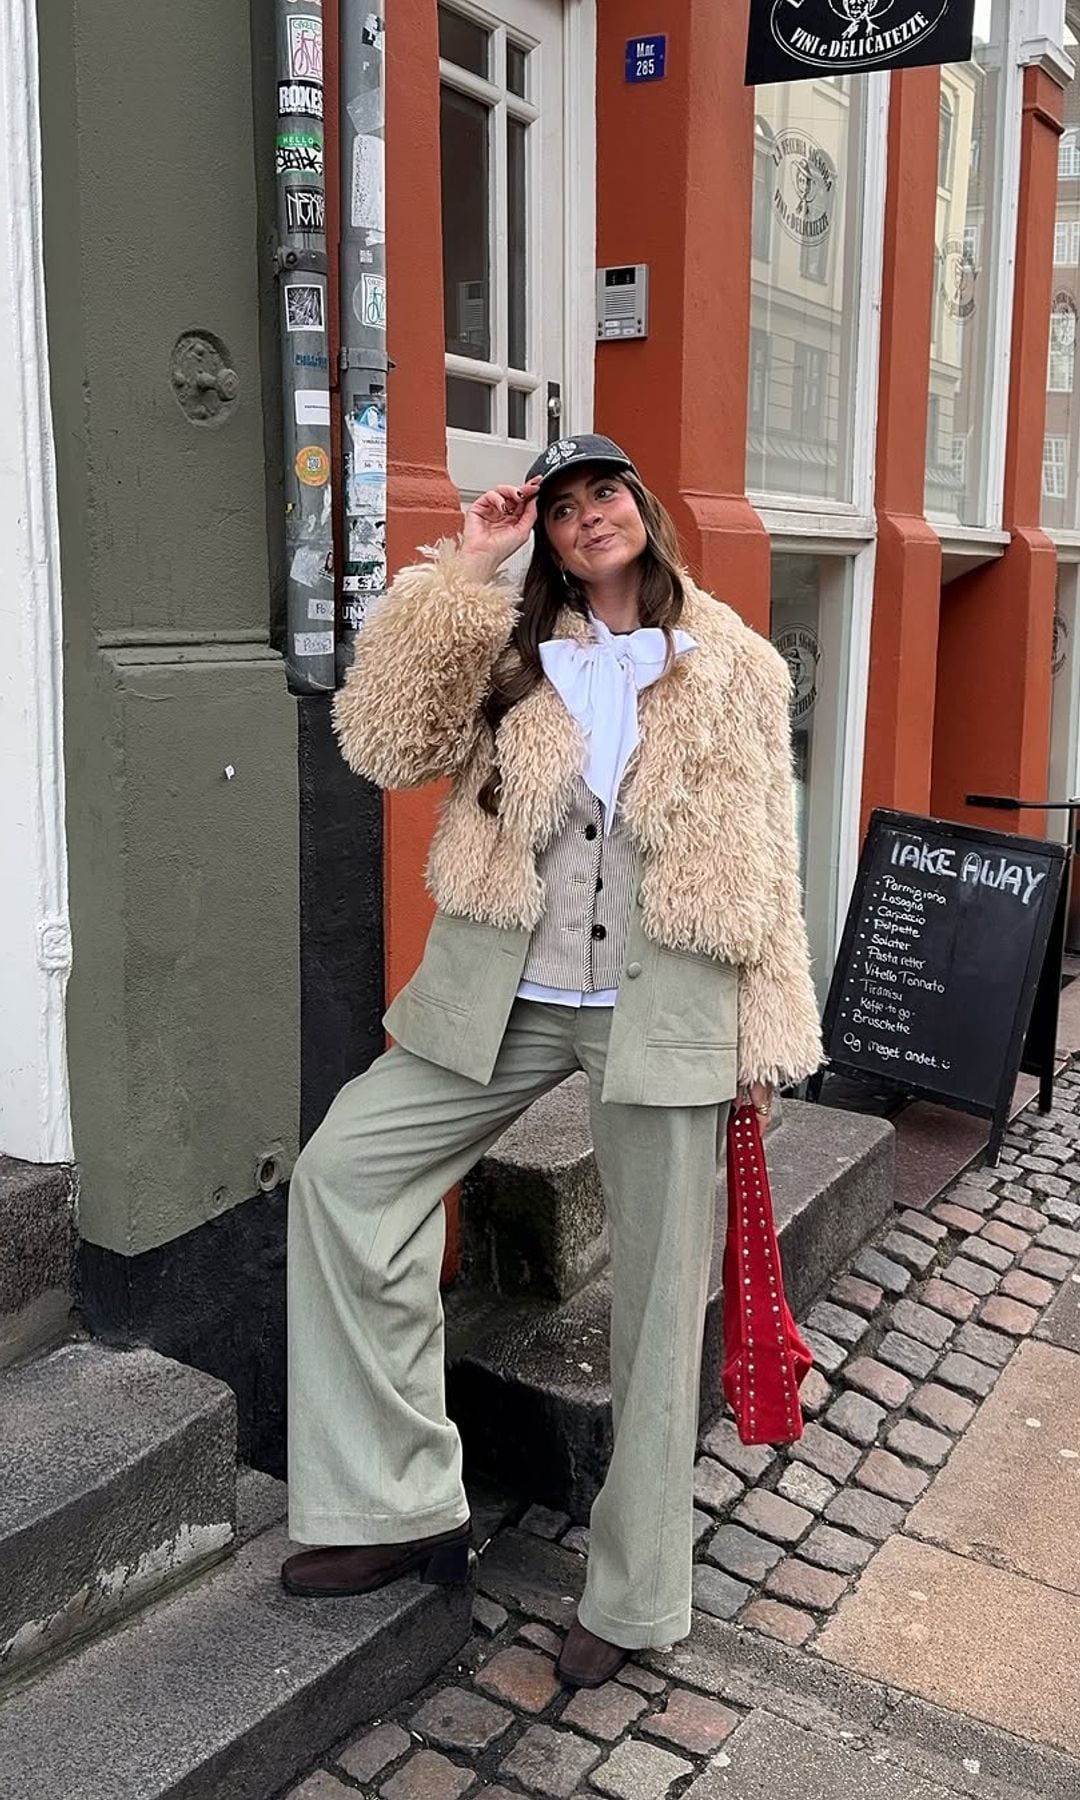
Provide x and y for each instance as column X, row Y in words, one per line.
column 599, row 684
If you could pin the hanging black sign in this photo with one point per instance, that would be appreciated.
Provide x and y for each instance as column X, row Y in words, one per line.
column 795, row 40
column 942, row 953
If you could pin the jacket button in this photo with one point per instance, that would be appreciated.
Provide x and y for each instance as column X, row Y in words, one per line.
column 590, row 832
column 599, row 931
column 633, row 970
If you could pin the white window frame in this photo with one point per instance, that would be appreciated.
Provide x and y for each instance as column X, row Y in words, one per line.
column 1067, row 239
column 577, row 127
column 1069, row 155
column 1059, row 373
column 1058, row 463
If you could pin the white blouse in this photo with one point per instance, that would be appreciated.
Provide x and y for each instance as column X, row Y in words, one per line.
column 599, row 684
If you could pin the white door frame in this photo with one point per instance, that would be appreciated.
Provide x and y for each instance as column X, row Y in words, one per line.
column 577, row 129
column 35, row 936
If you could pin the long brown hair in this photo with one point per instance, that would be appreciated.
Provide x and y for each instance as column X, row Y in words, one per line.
column 547, row 590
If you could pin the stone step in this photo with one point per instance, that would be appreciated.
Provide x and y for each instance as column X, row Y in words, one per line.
column 37, row 1256
column 119, row 1477
column 529, row 1382
column 228, row 1690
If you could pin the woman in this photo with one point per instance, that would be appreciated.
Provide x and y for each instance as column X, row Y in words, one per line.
column 615, row 875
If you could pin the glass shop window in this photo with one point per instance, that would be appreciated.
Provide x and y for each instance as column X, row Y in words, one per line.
column 809, row 156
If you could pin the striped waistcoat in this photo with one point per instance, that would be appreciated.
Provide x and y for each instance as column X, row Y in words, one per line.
column 580, row 942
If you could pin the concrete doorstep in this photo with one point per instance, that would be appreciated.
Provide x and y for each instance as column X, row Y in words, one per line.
column 529, row 1381
column 226, row 1691
column 119, row 1479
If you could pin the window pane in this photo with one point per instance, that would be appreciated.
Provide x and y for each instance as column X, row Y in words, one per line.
column 519, row 414
column 808, row 197
column 468, row 404
column 465, row 212
column 1060, row 493
column 463, row 42
column 970, row 208
column 516, row 59
column 516, row 242
column 810, row 628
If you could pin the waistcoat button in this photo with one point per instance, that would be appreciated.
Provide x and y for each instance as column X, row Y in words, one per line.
column 599, row 931
column 590, row 832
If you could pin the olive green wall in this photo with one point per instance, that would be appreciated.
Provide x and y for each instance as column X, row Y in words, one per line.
column 183, row 1013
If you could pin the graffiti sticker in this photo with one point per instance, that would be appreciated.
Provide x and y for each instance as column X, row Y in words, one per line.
column 305, row 209
column 298, row 152
column 305, row 47
column 305, row 308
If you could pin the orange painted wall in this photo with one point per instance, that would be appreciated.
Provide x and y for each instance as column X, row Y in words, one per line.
column 422, row 501
column 674, row 190
column 907, row 570
column 992, row 730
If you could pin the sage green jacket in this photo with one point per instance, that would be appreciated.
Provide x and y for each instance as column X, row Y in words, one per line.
column 717, row 984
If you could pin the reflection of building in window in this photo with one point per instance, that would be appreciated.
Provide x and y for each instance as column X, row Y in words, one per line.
column 946, row 140
column 808, row 390
column 1061, row 448
column 1067, row 243
column 761, row 241
column 814, row 260
column 759, row 379
column 1055, row 467
column 809, row 170
column 971, row 245
column 975, row 156
column 959, row 457
column 1059, row 378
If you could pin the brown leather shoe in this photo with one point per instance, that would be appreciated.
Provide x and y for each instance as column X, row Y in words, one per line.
column 334, row 1570
column 587, row 1661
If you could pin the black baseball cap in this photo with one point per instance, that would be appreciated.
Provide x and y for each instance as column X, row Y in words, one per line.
column 566, row 453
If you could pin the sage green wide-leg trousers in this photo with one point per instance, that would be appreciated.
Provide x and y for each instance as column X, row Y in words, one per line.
column 373, row 1457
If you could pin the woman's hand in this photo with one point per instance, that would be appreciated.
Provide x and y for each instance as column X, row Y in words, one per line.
column 496, row 525
column 759, row 1095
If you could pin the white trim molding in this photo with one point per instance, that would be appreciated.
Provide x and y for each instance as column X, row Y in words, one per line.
column 1042, row 39
column 35, row 1121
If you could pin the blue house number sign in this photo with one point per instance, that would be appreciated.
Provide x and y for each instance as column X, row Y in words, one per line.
column 645, row 58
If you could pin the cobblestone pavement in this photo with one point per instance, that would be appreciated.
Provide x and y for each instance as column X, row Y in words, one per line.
column 908, row 1344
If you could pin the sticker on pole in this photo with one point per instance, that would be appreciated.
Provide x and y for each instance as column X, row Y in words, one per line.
column 305, row 47
column 313, row 643
column 305, row 307
column 366, row 209
column 369, row 301
column 298, row 153
column 312, row 406
column 312, row 466
column 300, row 98
column 305, row 209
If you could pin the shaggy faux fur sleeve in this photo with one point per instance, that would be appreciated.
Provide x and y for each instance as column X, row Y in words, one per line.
column 779, row 1029
column 408, row 711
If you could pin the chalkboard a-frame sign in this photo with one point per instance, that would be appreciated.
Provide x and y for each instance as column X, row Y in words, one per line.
column 940, row 960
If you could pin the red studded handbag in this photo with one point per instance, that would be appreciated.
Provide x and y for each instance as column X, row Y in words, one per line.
column 765, row 1359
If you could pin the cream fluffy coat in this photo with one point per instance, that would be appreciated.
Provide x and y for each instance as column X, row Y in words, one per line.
column 708, row 796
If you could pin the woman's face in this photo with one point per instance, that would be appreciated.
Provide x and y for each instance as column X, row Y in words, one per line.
column 593, row 524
